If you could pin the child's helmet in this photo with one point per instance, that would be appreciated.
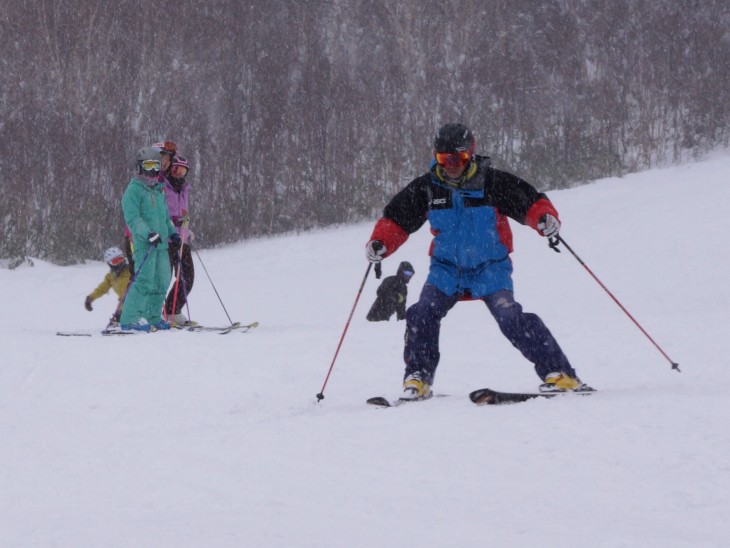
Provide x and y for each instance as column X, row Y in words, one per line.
column 112, row 253
column 116, row 259
column 180, row 161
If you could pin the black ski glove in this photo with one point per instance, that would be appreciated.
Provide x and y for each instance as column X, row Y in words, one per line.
column 87, row 303
column 154, row 238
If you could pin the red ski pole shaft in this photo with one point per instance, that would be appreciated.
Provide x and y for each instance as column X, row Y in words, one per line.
column 320, row 396
column 674, row 364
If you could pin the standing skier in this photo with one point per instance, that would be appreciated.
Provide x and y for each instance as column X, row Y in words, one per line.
column 392, row 295
column 148, row 219
column 177, row 195
column 467, row 203
column 167, row 150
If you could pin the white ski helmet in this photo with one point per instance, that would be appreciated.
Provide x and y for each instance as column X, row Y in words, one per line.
column 113, row 253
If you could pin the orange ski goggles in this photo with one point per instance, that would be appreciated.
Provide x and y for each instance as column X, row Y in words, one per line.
column 452, row 159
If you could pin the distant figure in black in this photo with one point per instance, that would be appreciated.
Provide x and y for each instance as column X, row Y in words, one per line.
column 392, row 295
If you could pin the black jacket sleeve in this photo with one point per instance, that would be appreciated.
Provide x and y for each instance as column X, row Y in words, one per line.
column 511, row 195
column 409, row 208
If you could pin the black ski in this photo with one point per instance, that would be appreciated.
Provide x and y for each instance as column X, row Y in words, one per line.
column 487, row 396
column 380, row 401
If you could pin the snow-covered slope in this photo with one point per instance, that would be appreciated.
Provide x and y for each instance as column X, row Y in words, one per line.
column 191, row 439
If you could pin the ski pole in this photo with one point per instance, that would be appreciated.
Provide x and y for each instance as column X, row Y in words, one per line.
column 320, row 396
column 554, row 245
column 213, row 285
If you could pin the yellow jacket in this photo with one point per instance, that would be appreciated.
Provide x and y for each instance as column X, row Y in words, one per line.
column 113, row 281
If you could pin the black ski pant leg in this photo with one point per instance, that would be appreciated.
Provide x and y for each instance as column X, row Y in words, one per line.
column 528, row 334
column 187, row 277
column 174, row 254
column 423, row 325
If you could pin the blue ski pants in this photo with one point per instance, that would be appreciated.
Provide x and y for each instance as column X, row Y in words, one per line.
column 524, row 330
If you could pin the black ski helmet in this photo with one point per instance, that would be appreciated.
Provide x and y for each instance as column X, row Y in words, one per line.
column 454, row 138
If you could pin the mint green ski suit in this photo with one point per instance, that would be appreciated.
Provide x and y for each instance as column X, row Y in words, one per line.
column 145, row 210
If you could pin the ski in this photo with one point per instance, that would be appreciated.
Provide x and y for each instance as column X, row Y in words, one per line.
column 223, row 330
column 487, row 396
column 185, row 325
column 104, row 332
column 237, row 327
column 380, row 401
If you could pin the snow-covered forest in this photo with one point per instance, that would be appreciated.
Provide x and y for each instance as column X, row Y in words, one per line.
column 311, row 113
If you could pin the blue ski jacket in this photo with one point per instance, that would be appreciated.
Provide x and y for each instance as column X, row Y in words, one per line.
column 472, row 237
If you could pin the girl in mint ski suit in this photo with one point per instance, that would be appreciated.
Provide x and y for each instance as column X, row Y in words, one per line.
column 145, row 211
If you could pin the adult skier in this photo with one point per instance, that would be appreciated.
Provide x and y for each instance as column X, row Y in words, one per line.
column 146, row 214
column 467, row 202
column 177, row 195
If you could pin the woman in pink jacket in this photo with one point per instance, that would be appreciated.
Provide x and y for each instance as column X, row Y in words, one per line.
column 177, row 195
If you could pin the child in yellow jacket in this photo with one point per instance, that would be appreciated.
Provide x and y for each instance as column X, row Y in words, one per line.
column 117, row 279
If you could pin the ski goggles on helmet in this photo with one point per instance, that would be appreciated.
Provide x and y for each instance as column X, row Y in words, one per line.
column 151, row 165
column 453, row 159
column 117, row 261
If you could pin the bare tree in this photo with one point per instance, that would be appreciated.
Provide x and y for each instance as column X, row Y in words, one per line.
column 303, row 114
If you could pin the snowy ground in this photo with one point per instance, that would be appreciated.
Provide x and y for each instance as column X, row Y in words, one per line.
column 196, row 439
